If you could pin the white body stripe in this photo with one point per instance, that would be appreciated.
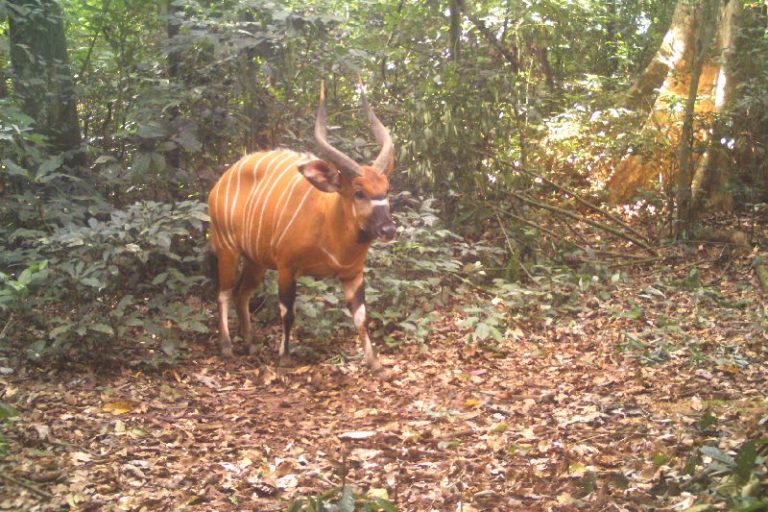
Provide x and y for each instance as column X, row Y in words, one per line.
column 279, row 216
column 260, row 199
column 334, row 259
column 236, row 196
column 248, row 201
column 290, row 165
column 295, row 214
column 259, row 185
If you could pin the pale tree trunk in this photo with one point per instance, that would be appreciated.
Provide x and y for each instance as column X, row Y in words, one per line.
column 642, row 95
column 670, row 73
column 700, row 40
column 711, row 179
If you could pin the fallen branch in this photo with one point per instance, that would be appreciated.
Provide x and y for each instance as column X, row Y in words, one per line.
column 540, row 228
column 594, row 224
column 509, row 244
column 564, row 190
column 28, row 486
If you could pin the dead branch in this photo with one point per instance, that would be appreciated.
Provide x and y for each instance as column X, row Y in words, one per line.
column 567, row 191
column 27, row 485
column 594, row 224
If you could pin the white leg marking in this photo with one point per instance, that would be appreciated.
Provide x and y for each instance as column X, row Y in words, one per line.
column 283, row 310
column 359, row 317
column 224, row 299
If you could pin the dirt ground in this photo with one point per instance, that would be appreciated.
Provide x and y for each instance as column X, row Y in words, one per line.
column 598, row 410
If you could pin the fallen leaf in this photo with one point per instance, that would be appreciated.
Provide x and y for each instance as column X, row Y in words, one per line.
column 118, row 407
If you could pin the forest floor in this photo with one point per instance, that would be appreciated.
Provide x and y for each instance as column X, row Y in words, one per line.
column 601, row 409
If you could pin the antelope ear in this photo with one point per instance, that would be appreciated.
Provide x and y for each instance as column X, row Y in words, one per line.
column 321, row 175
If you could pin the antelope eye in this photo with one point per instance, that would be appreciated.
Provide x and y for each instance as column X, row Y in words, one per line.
column 359, row 194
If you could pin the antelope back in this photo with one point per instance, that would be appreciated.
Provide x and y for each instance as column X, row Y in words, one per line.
column 258, row 201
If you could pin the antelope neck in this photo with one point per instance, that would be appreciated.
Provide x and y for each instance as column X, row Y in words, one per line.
column 343, row 246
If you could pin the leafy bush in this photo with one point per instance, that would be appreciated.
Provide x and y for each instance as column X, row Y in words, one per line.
column 735, row 480
column 95, row 282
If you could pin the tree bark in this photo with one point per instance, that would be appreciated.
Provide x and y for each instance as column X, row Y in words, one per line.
column 711, row 179
column 42, row 78
column 641, row 96
column 454, row 13
column 172, row 13
column 700, row 39
column 662, row 130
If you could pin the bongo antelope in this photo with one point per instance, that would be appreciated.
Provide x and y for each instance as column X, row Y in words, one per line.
column 298, row 214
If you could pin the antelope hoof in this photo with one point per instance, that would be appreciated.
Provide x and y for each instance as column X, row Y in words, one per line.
column 226, row 353
column 253, row 349
column 285, row 361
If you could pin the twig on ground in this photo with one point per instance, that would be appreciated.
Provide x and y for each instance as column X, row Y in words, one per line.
column 27, row 485
column 509, row 244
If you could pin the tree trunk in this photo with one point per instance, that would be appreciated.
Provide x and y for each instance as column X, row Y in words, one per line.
column 700, row 39
column 710, row 181
column 454, row 13
column 172, row 13
column 42, row 78
column 662, row 131
column 642, row 95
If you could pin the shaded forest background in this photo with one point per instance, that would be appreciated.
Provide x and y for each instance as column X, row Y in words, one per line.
column 544, row 150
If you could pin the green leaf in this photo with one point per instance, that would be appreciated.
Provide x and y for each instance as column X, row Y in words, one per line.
column 384, row 505
column 745, row 460
column 7, row 411
column 92, row 282
column 347, row 501
column 35, row 350
column 717, row 454
column 102, row 328
column 124, row 303
column 15, row 169
column 169, row 346
column 49, row 166
column 482, row 331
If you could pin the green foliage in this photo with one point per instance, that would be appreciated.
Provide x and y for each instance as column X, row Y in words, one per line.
column 734, row 480
column 82, row 291
column 342, row 500
column 7, row 413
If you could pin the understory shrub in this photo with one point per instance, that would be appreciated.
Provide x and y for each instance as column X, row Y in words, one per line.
column 90, row 285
